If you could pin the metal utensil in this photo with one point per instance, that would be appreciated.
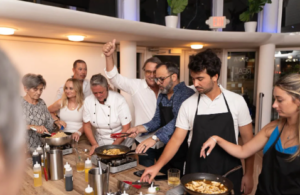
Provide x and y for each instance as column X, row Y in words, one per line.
column 34, row 129
column 119, row 135
column 58, row 141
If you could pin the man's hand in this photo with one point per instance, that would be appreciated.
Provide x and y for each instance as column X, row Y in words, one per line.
column 92, row 150
column 109, row 48
column 134, row 131
column 247, row 184
column 145, row 145
column 150, row 173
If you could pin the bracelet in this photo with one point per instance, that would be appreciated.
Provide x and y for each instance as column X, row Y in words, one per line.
column 79, row 133
column 213, row 139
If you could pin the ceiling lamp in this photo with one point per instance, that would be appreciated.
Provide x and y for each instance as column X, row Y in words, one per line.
column 290, row 57
column 196, row 46
column 7, row 31
column 76, row 38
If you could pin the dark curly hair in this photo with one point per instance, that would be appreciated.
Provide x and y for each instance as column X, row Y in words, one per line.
column 206, row 60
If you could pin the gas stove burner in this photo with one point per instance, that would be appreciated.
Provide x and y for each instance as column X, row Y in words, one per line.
column 116, row 165
column 66, row 149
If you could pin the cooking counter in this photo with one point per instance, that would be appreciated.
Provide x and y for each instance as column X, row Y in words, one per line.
column 58, row 187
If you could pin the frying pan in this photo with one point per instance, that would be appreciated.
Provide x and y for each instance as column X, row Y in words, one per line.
column 211, row 177
column 122, row 148
column 59, row 141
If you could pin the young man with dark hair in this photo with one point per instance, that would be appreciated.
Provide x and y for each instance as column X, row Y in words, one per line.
column 212, row 110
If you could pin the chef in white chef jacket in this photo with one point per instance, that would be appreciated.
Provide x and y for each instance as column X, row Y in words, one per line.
column 107, row 111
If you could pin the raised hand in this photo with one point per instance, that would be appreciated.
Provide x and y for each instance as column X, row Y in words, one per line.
column 109, row 48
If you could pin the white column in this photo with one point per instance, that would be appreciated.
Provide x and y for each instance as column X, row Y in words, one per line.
column 270, row 17
column 129, row 9
column 265, row 83
column 128, row 68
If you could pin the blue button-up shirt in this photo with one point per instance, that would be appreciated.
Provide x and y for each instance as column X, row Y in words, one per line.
column 181, row 93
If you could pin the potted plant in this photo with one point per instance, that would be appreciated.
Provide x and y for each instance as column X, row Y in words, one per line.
column 254, row 6
column 176, row 7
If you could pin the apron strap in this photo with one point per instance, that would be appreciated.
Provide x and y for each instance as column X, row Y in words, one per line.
column 226, row 103
column 279, row 135
column 197, row 104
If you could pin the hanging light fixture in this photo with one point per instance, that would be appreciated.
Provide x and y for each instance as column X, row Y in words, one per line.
column 229, row 56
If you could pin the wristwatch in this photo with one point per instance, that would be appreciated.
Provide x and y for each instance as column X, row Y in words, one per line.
column 155, row 138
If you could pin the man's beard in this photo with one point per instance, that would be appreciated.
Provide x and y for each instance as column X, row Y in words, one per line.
column 207, row 90
column 166, row 89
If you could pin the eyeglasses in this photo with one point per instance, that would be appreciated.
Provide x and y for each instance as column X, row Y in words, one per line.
column 161, row 79
column 149, row 72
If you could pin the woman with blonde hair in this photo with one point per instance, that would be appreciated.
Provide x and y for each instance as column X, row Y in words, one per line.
column 279, row 140
column 69, row 109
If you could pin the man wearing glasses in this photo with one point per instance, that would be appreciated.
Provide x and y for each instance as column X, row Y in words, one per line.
column 144, row 94
column 172, row 94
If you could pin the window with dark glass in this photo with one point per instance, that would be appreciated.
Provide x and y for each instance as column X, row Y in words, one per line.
column 195, row 15
column 153, row 11
column 232, row 10
column 290, row 21
column 101, row 7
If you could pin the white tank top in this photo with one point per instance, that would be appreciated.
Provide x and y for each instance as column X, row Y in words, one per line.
column 73, row 118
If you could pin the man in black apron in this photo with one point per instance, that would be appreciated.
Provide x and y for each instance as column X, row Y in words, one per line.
column 205, row 71
column 172, row 94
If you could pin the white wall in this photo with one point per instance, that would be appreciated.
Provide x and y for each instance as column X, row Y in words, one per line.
column 51, row 58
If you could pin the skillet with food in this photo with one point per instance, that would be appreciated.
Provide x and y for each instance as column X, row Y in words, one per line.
column 207, row 184
column 119, row 152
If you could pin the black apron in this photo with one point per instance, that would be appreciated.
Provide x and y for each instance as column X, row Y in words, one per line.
column 166, row 115
column 279, row 176
column 219, row 161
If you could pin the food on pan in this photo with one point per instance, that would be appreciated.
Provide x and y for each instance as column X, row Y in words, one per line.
column 57, row 135
column 206, row 186
column 113, row 152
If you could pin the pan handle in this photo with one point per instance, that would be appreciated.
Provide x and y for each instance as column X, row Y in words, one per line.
column 232, row 170
column 140, row 154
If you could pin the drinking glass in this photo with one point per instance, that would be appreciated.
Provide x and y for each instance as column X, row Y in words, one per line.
column 80, row 159
column 173, row 177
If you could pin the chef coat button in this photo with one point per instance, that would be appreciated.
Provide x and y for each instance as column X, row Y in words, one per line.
column 95, row 104
column 125, row 117
column 94, row 112
column 107, row 115
column 108, row 124
column 108, row 106
column 94, row 122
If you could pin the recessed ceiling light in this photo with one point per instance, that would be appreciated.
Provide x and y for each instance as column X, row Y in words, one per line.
column 196, row 46
column 76, row 37
column 7, row 31
column 290, row 57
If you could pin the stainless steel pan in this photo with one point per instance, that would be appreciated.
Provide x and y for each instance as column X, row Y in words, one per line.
column 59, row 141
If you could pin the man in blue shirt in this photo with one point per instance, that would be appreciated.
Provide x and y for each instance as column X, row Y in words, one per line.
column 172, row 94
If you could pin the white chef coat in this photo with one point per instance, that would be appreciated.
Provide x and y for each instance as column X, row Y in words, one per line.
column 143, row 98
column 86, row 89
column 236, row 103
column 107, row 118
